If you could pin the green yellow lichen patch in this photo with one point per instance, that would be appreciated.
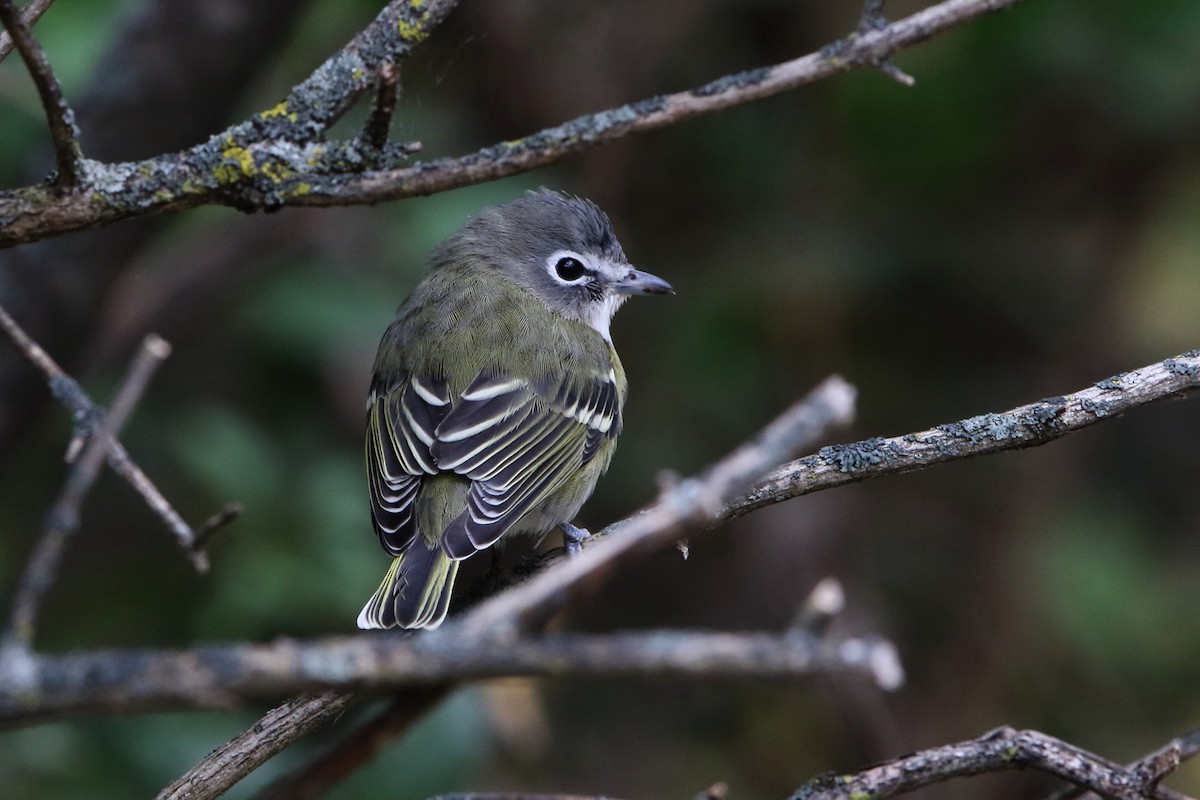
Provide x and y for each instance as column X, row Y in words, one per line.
column 413, row 31
column 279, row 110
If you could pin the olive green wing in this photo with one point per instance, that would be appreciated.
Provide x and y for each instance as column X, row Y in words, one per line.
column 519, row 442
column 403, row 413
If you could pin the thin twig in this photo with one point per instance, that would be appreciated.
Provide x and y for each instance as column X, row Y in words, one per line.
column 86, row 416
column 225, row 516
column 59, row 115
column 278, row 161
column 41, row 359
column 63, row 520
column 225, row 676
column 824, row 603
column 872, row 19
column 1001, row 750
column 31, row 12
column 378, row 125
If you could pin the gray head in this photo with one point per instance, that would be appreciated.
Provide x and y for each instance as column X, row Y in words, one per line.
column 559, row 248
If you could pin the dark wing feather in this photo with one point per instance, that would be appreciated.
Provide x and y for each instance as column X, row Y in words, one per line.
column 518, row 444
column 402, row 419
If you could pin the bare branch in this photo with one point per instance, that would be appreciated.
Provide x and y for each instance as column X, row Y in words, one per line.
column 87, row 416
column 1023, row 426
column 277, row 158
column 225, row 676
column 31, row 12
column 1151, row 768
column 63, row 520
column 359, row 747
column 59, row 115
column 264, row 742
column 1001, row 750
column 225, row 766
column 824, row 602
column 835, row 466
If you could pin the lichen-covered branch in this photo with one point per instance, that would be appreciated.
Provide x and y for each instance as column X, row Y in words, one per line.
column 1024, row 426
column 279, row 158
column 263, row 163
column 1001, row 750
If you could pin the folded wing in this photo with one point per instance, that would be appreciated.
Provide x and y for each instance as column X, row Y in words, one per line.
column 518, row 444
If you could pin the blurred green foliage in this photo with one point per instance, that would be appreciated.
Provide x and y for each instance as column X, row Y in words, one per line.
column 1021, row 223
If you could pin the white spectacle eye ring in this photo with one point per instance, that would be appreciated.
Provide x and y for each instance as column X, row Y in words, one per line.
column 569, row 268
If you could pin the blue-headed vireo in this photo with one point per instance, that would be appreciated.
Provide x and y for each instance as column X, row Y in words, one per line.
column 497, row 395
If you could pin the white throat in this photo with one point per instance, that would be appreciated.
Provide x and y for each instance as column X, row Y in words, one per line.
column 598, row 316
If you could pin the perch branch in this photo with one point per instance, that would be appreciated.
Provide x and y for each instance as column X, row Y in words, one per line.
column 1001, row 750
column 63, row 520
column 86, row 415
column 277, row 158
column 689, row 506
column 849, row 463
column 59, row 116
column 831, row 403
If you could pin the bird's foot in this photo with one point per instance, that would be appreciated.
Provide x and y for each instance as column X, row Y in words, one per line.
column 573, row 538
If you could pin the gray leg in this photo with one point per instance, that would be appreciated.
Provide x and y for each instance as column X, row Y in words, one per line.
column 573, row 538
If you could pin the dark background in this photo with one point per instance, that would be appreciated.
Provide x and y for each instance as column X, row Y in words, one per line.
column 1021, row 223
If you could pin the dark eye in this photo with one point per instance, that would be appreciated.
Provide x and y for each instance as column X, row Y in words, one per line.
column 570, row 269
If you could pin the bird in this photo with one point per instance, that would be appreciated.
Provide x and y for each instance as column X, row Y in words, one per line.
column 497, row 395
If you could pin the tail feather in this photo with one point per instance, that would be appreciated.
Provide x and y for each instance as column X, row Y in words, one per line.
column 415, row 592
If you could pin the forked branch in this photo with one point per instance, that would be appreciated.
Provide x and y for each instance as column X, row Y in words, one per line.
column 279, row 157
